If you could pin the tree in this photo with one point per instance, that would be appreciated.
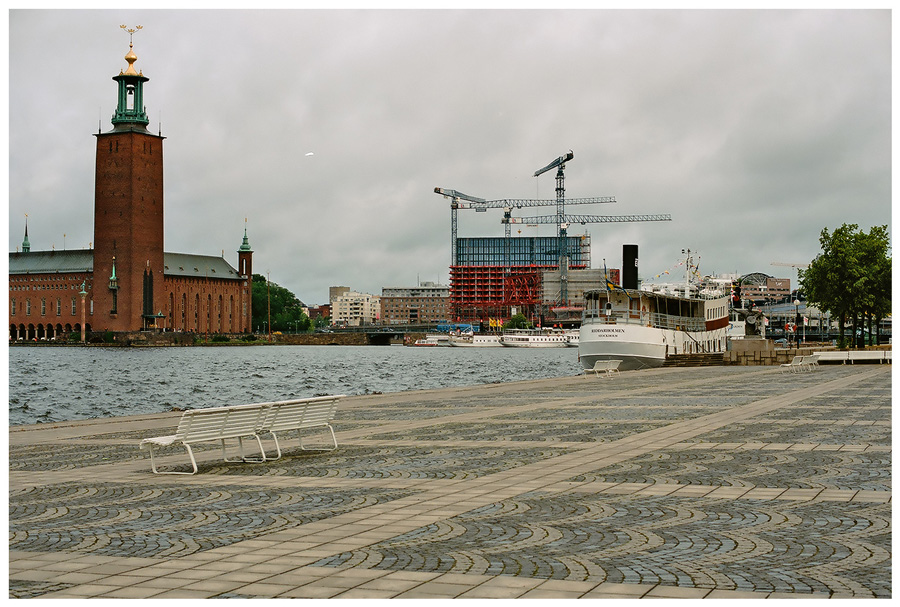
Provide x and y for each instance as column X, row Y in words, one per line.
column 851, row 278
column 286, row 310
column 518, row 321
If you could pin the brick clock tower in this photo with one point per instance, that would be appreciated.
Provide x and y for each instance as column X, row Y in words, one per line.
column 128, row 214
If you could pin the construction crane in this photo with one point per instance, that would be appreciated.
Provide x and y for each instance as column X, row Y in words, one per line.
column 583, row 219
column 481, row 205
column 796, row 266
column 560, row 164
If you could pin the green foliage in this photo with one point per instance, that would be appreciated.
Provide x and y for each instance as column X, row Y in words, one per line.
column 518, row 321
column 851, row 278
column 286, row 310
column 220, row 338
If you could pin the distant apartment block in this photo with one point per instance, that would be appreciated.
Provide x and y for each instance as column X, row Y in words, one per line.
column 425, row 304
column 771, row 291
column 335, row 292
column 354, row 309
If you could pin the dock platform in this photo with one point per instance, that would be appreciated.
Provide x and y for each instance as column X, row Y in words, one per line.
column 712, row 482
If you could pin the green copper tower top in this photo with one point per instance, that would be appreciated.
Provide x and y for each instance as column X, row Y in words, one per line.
column 130, row 111
column 245, row 246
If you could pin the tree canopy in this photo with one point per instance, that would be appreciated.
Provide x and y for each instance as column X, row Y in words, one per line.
column 286, row 310
column 851, row 277
column 518, row 321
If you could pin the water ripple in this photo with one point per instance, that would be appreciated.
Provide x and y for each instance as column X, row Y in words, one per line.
column 79, row 383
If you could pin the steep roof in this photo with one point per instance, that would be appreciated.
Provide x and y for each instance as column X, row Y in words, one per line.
column 186, row 264
column 82, row 260
column 39, row 262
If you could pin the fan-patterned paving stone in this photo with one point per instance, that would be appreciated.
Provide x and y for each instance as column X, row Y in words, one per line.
column 745, row 545
column 422, row 410
column 812, row 432
column 393, row 462
column 753, row 468
column 488, row 430
column 34, row 458
column 611, row 410
column 865, row 403
column 169, row 521
column 27, row 589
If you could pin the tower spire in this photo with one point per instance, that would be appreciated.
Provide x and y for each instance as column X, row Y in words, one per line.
column 245, row 246
column 26, row 246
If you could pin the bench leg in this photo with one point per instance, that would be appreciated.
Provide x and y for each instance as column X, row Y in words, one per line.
column 262, row 452
column 244, row 458
column 277, row 448
column 333, row 441
column 153, row 462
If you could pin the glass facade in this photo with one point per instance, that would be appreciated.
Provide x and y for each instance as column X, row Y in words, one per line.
column 523, row 251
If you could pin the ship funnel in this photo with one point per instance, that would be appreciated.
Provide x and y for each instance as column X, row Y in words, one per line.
column 630, row 266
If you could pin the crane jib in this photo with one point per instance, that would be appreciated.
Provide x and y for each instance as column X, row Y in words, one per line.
column 561, row 160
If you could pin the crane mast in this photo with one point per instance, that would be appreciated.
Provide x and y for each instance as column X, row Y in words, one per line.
column 561, row 227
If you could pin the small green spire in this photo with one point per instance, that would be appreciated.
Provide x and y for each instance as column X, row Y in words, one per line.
column 245, row 246
column 113, row 281
column 26, row 246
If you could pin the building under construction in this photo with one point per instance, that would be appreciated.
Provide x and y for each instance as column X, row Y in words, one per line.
column 497, row 277
column 494, row 277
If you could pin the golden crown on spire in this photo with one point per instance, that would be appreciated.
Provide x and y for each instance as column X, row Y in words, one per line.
column 131, row 57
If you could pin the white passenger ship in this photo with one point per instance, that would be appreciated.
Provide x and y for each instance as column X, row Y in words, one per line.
column 535, row 338
column 475, row 340
column 641, row 327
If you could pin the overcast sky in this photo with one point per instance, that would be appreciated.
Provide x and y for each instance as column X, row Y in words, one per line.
column 329, row 130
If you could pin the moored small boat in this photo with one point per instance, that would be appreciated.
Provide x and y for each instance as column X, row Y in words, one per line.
column 534, row 338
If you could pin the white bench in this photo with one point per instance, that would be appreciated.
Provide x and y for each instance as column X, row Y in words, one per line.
column 867, row 355
column 810, row 363
column 840, row 356
column 213, row 424
column 852, row 356
column 605, row 367
column 795, row 366
column 246, row 421
column 302, row 414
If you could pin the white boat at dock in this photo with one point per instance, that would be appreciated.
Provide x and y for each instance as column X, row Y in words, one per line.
column 433, row 340
column 475, row 340
column 641, row 327
column 535, row 338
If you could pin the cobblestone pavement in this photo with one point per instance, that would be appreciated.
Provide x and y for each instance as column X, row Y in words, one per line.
column 724, row 482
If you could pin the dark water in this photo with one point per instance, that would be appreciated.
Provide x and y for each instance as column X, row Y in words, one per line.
column 55, row 384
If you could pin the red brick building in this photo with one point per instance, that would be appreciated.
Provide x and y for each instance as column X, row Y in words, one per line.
column 127, row 282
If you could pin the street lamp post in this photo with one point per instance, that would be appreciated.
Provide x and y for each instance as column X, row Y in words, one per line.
column 797, row 321
column 83, row 294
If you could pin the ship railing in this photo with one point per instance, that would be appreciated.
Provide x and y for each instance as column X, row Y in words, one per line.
column 600, row 316
column 655, row 319
column 681, row 323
